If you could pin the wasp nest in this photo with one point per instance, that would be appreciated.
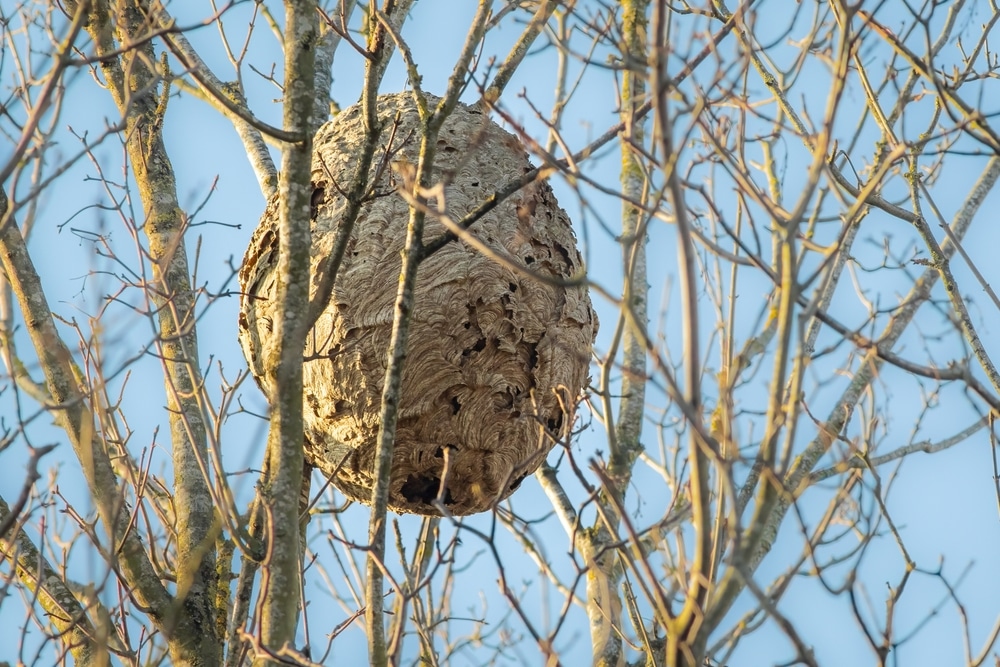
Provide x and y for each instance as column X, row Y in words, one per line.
column 495, row 357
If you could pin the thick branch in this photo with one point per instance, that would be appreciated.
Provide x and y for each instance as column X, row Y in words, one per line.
column 283, row 354
column 71, row 411
column 216, row 90
column 134, row 84
column 60, row 605
column 604, row 608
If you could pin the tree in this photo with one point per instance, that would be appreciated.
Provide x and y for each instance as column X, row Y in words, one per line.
column 749, row 466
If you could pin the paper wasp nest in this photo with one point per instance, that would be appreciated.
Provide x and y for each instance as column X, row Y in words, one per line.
column 495, row 357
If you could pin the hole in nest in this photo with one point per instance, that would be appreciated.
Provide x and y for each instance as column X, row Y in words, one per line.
column 423, row 488
column 318, row 197
column 554, row 423
column 517, row 482
column 439, row 452
column 512, row 287
column 479, row 346
column 456, row 405
column 508, row 398
column 528, row 259
column 565, row 255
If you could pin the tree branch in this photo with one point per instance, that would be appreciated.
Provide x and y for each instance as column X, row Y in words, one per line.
column 61, row 607
column 283, row 354
column 73, row 414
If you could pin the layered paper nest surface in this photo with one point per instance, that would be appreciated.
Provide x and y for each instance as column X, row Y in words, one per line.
column 496, row 357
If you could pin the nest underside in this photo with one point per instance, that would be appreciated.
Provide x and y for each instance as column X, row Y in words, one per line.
column 496, row 357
